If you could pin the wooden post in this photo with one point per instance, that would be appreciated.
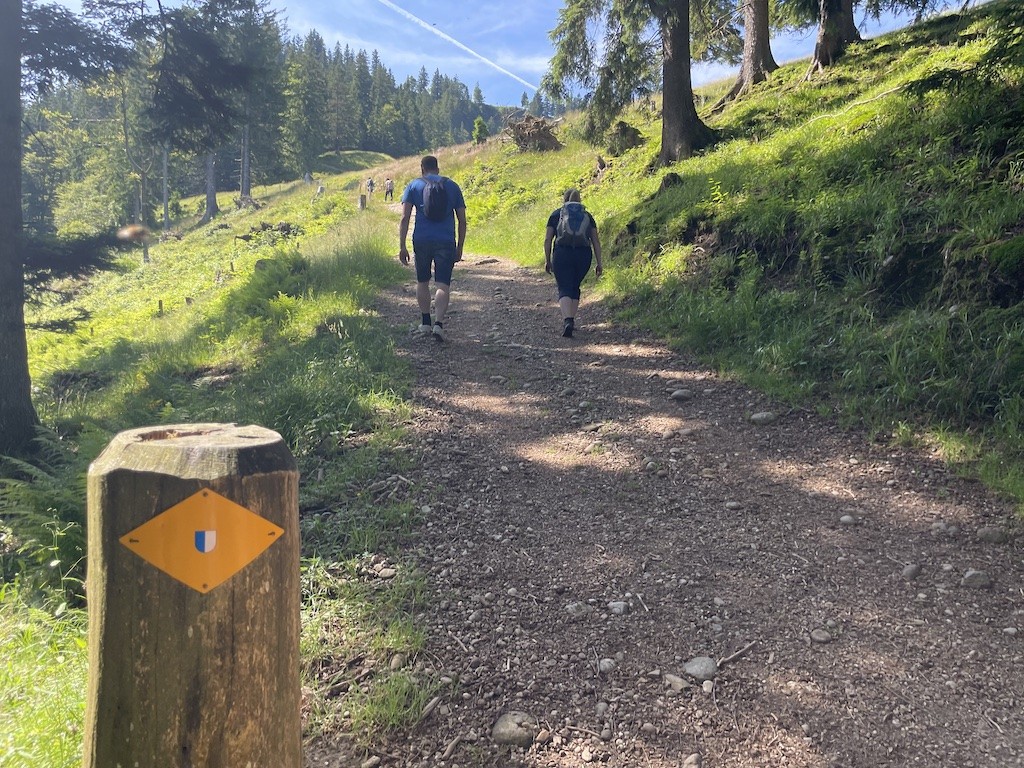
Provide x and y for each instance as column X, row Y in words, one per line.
column 362, row 202
column 193, row 590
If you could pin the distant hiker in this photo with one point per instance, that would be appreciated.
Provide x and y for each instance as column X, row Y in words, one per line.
column 369, row 186
column 438, row 202
column 389, row 189
column 573, row 233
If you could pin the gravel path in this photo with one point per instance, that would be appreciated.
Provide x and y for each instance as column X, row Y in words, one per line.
column 640, row 563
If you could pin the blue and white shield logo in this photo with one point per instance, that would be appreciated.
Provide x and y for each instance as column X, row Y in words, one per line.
column 206, row 541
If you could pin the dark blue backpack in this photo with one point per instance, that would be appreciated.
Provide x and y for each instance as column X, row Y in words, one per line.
column 435, row 199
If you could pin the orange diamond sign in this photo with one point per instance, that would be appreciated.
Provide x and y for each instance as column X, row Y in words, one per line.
column 202, row 541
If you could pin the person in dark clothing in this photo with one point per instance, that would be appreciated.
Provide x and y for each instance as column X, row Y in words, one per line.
column 571, row 245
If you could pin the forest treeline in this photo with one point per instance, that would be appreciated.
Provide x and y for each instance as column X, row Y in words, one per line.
column 131, row 145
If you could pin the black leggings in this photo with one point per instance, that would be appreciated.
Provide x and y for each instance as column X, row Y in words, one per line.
column 570, row 266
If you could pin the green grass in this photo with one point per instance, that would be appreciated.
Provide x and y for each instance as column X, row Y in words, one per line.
column 42, row 679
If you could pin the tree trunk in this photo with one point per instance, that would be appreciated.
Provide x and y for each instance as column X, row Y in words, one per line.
column 211, row 188
column 758, row 61
column 829, row 45
column 140, row 215
column 165, row 196
column 848, row 31
column 245, row 181
column 18, row 418
column 682, row 132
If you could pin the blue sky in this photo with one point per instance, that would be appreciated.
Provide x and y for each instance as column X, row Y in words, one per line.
column 504, row 46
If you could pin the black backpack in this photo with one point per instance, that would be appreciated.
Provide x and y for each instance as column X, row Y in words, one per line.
column 573, row 226
column 435, row 199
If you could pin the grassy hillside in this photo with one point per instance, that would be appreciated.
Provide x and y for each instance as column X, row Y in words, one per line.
column 853, row 244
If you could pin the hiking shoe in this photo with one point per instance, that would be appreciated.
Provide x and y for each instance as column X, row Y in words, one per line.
column 439, row 334
column 423, row 330
column 567, row 328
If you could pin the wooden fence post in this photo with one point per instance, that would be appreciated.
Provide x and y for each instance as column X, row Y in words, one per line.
column 193, row 590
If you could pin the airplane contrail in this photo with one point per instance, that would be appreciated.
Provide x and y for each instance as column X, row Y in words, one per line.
column 431, row 28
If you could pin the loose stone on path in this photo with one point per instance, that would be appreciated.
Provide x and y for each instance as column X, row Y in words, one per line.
column 701, row 668
column 515, row 728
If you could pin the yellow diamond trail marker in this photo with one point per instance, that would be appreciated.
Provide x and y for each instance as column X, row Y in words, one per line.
column 202, row 541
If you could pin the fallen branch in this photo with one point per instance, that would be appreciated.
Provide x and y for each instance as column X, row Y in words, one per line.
column 450, row 749
column 738, row 655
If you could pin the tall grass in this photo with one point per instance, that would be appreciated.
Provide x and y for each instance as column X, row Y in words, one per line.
column 42, row 676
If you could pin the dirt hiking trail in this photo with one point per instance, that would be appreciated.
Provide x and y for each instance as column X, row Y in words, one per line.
column 601, row 512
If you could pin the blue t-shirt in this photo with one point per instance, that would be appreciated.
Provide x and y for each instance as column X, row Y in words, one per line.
column 425, row 230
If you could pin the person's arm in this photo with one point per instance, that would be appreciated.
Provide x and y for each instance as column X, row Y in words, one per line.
column 549, row 237
column 403, row 233
column 460, row 242
column 595, row 241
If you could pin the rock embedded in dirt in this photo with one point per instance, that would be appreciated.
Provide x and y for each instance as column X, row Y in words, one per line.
column 976, row 579
column 675, row 682
column 516, row 729
column 606, row 666
column 701, row 668
column 763, row 418
column 992, row 534
column 733, row 505
column 681, row 395
column 821, row 636
column 911, row 572
column 847, row 520
column 693, row 761
column 618, row 607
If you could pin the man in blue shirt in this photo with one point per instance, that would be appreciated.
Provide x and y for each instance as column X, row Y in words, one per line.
column 435, row 243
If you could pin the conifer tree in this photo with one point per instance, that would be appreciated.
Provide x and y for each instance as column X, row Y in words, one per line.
column 630, row 66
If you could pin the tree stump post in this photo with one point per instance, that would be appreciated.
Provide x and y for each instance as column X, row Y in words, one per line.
column 193, row 589
column 362, row 202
